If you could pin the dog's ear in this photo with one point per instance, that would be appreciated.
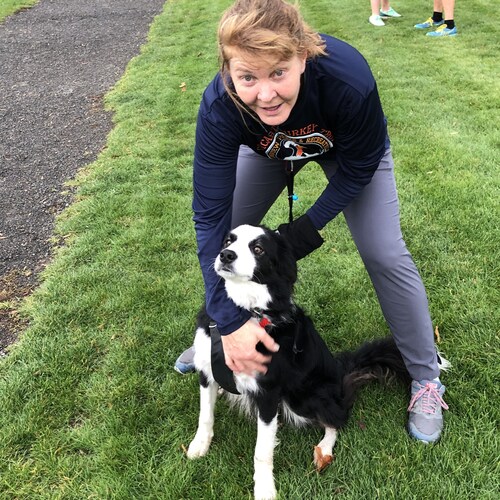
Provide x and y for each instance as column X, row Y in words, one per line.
column 286, row 262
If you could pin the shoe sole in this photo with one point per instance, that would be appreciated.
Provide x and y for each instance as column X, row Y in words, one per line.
column 427, row 27
column 418, row 436
column 441, row 36
column 178, row 370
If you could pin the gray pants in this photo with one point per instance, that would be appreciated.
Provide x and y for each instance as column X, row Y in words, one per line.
column 373, row 219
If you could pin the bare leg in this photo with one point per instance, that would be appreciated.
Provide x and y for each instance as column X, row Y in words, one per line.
column 375, row 5
column 448, row 9
column 323, row 453
column 201, row 442
column 438, row 6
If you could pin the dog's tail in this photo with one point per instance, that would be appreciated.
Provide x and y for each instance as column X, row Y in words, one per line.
column 376, row 360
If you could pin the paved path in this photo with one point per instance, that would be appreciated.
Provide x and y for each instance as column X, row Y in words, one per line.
column 57, row 60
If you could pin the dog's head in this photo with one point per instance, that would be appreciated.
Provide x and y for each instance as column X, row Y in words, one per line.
column 255, row 260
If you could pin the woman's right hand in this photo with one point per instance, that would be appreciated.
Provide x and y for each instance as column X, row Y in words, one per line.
column 240, row 351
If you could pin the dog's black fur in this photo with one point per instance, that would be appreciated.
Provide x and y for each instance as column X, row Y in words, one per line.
column 303, row 376
column 315, row 384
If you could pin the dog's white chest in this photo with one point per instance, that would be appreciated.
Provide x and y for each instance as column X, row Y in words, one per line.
column 248, row 295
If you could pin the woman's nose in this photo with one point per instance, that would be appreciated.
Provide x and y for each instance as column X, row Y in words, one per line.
column 266, row 92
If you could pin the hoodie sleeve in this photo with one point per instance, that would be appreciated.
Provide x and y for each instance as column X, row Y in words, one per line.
column 361, row 140
column 214, row 178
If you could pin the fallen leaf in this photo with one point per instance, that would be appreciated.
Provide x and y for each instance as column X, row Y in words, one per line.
column 436, row 334
column 183, row 86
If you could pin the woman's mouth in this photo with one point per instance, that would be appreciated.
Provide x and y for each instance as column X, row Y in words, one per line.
column 271, row 109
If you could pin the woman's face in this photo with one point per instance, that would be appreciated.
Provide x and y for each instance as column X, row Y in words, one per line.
column 269, row 87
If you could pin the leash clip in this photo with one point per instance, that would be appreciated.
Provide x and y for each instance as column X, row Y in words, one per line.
column 264, row 322
column 259, row 315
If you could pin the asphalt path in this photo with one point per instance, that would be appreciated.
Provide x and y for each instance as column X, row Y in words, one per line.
column 57, row 61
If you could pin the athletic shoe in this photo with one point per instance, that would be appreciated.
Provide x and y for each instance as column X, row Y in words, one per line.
column 425, row 421
column 430, row 23
column 389, row 13
column 185, row 362
column 376, row 21
column 443, row 31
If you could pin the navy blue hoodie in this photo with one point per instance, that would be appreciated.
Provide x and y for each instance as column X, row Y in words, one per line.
column 338, row 115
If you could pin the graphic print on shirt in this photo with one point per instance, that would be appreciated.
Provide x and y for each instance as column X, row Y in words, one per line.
column 289, row 146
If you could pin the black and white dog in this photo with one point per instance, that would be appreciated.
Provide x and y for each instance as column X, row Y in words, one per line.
column 304, row 381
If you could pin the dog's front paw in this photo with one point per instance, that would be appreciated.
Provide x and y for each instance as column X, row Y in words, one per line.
column 321, row 461
column 199, row 446
column 264, row 490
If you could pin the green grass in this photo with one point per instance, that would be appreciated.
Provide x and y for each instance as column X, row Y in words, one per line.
column 89, row 404
column 8, row 7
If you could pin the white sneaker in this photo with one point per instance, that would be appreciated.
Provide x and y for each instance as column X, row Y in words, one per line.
column 389, row 13
column 376, row 21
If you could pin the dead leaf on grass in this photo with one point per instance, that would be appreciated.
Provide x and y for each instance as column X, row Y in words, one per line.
column 436, row 334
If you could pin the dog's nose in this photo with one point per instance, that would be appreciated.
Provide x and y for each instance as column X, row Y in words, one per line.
column 227, row 256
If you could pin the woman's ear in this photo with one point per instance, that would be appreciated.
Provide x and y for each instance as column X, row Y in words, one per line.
column 303, row 60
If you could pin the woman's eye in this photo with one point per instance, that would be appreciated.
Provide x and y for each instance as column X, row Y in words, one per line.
column 258, row 250
column 279, row 72
column 247, row 78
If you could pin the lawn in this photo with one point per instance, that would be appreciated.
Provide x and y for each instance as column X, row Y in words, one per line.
column 90, row 406
column 8, row 7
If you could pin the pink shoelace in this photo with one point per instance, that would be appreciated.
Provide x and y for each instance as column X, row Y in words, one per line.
column 430, row 398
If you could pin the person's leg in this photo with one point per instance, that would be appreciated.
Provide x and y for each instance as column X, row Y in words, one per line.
column 259, row 182
column 375, row 6
column 436, row 19
column 447, row 17
column 375, row 18
column 449, row 13
column 373, row 219
column 448, row 8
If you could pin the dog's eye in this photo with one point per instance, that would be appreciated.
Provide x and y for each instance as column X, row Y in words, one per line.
column 258, row 250
column 226, row 243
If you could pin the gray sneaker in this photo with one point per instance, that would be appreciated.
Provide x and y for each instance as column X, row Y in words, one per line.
column 185, row 362
column 425, row 421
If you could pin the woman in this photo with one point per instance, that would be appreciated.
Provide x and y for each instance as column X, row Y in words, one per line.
column 285, row 95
